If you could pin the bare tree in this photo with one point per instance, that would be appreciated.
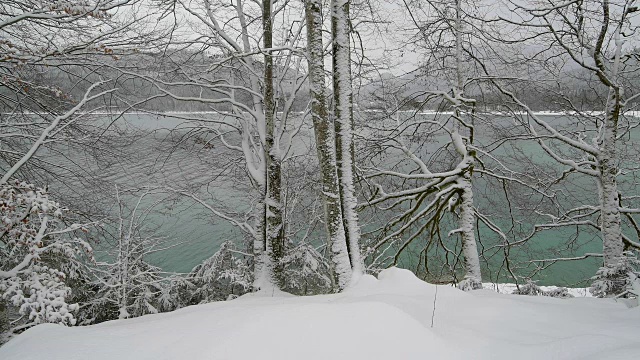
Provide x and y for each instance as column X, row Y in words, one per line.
column 423, row 189
column 252, row 85
column 56, row 60
column 130, row 283
column 591, row 35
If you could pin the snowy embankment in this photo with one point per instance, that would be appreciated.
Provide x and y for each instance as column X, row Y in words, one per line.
column 386, row 318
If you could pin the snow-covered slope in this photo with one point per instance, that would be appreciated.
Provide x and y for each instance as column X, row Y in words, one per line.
column 385, row 318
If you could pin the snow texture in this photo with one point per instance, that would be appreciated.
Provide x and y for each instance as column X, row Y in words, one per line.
column 385, row 318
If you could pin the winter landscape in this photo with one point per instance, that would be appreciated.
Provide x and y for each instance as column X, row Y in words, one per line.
column 319, row 179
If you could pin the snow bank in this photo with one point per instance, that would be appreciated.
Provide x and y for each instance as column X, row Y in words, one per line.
column 385, row 318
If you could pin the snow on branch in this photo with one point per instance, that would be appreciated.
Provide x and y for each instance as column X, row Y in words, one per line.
column 36, row 256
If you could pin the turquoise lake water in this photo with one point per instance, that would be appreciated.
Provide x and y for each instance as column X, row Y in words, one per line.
column 163, row 159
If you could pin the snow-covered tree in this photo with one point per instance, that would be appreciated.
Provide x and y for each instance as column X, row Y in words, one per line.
column 420, row 189
column 325, row 136
column 50, row 59
column 129, row 284
column 256, row 75
column 344, row 130
column 466, row 223
column 307, row 271
column 39, row 255
column 592, row 36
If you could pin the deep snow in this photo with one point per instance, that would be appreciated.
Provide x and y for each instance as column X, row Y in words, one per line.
column 385, row 318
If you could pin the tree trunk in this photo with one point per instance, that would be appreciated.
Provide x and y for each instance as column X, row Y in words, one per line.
column 613, row 246
column 274, row 230
column 473, row 276
column 124, row 276
column 262, row 268
column 326, row 145
column 261, row 263
column 343, row 113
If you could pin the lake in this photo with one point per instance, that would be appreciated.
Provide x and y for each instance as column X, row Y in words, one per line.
column 188, row 160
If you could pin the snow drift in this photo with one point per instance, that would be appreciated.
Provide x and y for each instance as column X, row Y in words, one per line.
column 385, row 318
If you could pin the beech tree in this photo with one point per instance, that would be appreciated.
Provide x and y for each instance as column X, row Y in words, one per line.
column 344, row 122
column 592, row 36
column 326, row 145
column 420, row 190
column 258, row 80
column 261, row 96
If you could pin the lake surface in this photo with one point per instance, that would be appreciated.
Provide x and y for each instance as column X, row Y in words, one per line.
column 193, row 163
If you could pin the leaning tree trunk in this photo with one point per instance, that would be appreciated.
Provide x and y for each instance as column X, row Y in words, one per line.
column 274, row 229
column 343, row 113
column 326, row 145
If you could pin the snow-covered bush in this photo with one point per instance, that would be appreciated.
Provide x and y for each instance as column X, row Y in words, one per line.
column 84, row 292
column 175, row 293
column 634, row 288
column 561, row 292
column 129, row 292
column 306, row 272
column 39, row 256
column 616, row 280
column 228, row 274
column 128, row 286
column 529, row 288
column 469, row 284
column 220, row 277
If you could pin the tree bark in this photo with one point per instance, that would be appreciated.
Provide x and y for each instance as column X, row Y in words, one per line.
column 274, row 230
column 343, row 114
column 473, row 276
column 326, row 145
column 613, row 246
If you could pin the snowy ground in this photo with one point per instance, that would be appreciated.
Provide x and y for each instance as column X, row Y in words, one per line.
column 388, row 318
